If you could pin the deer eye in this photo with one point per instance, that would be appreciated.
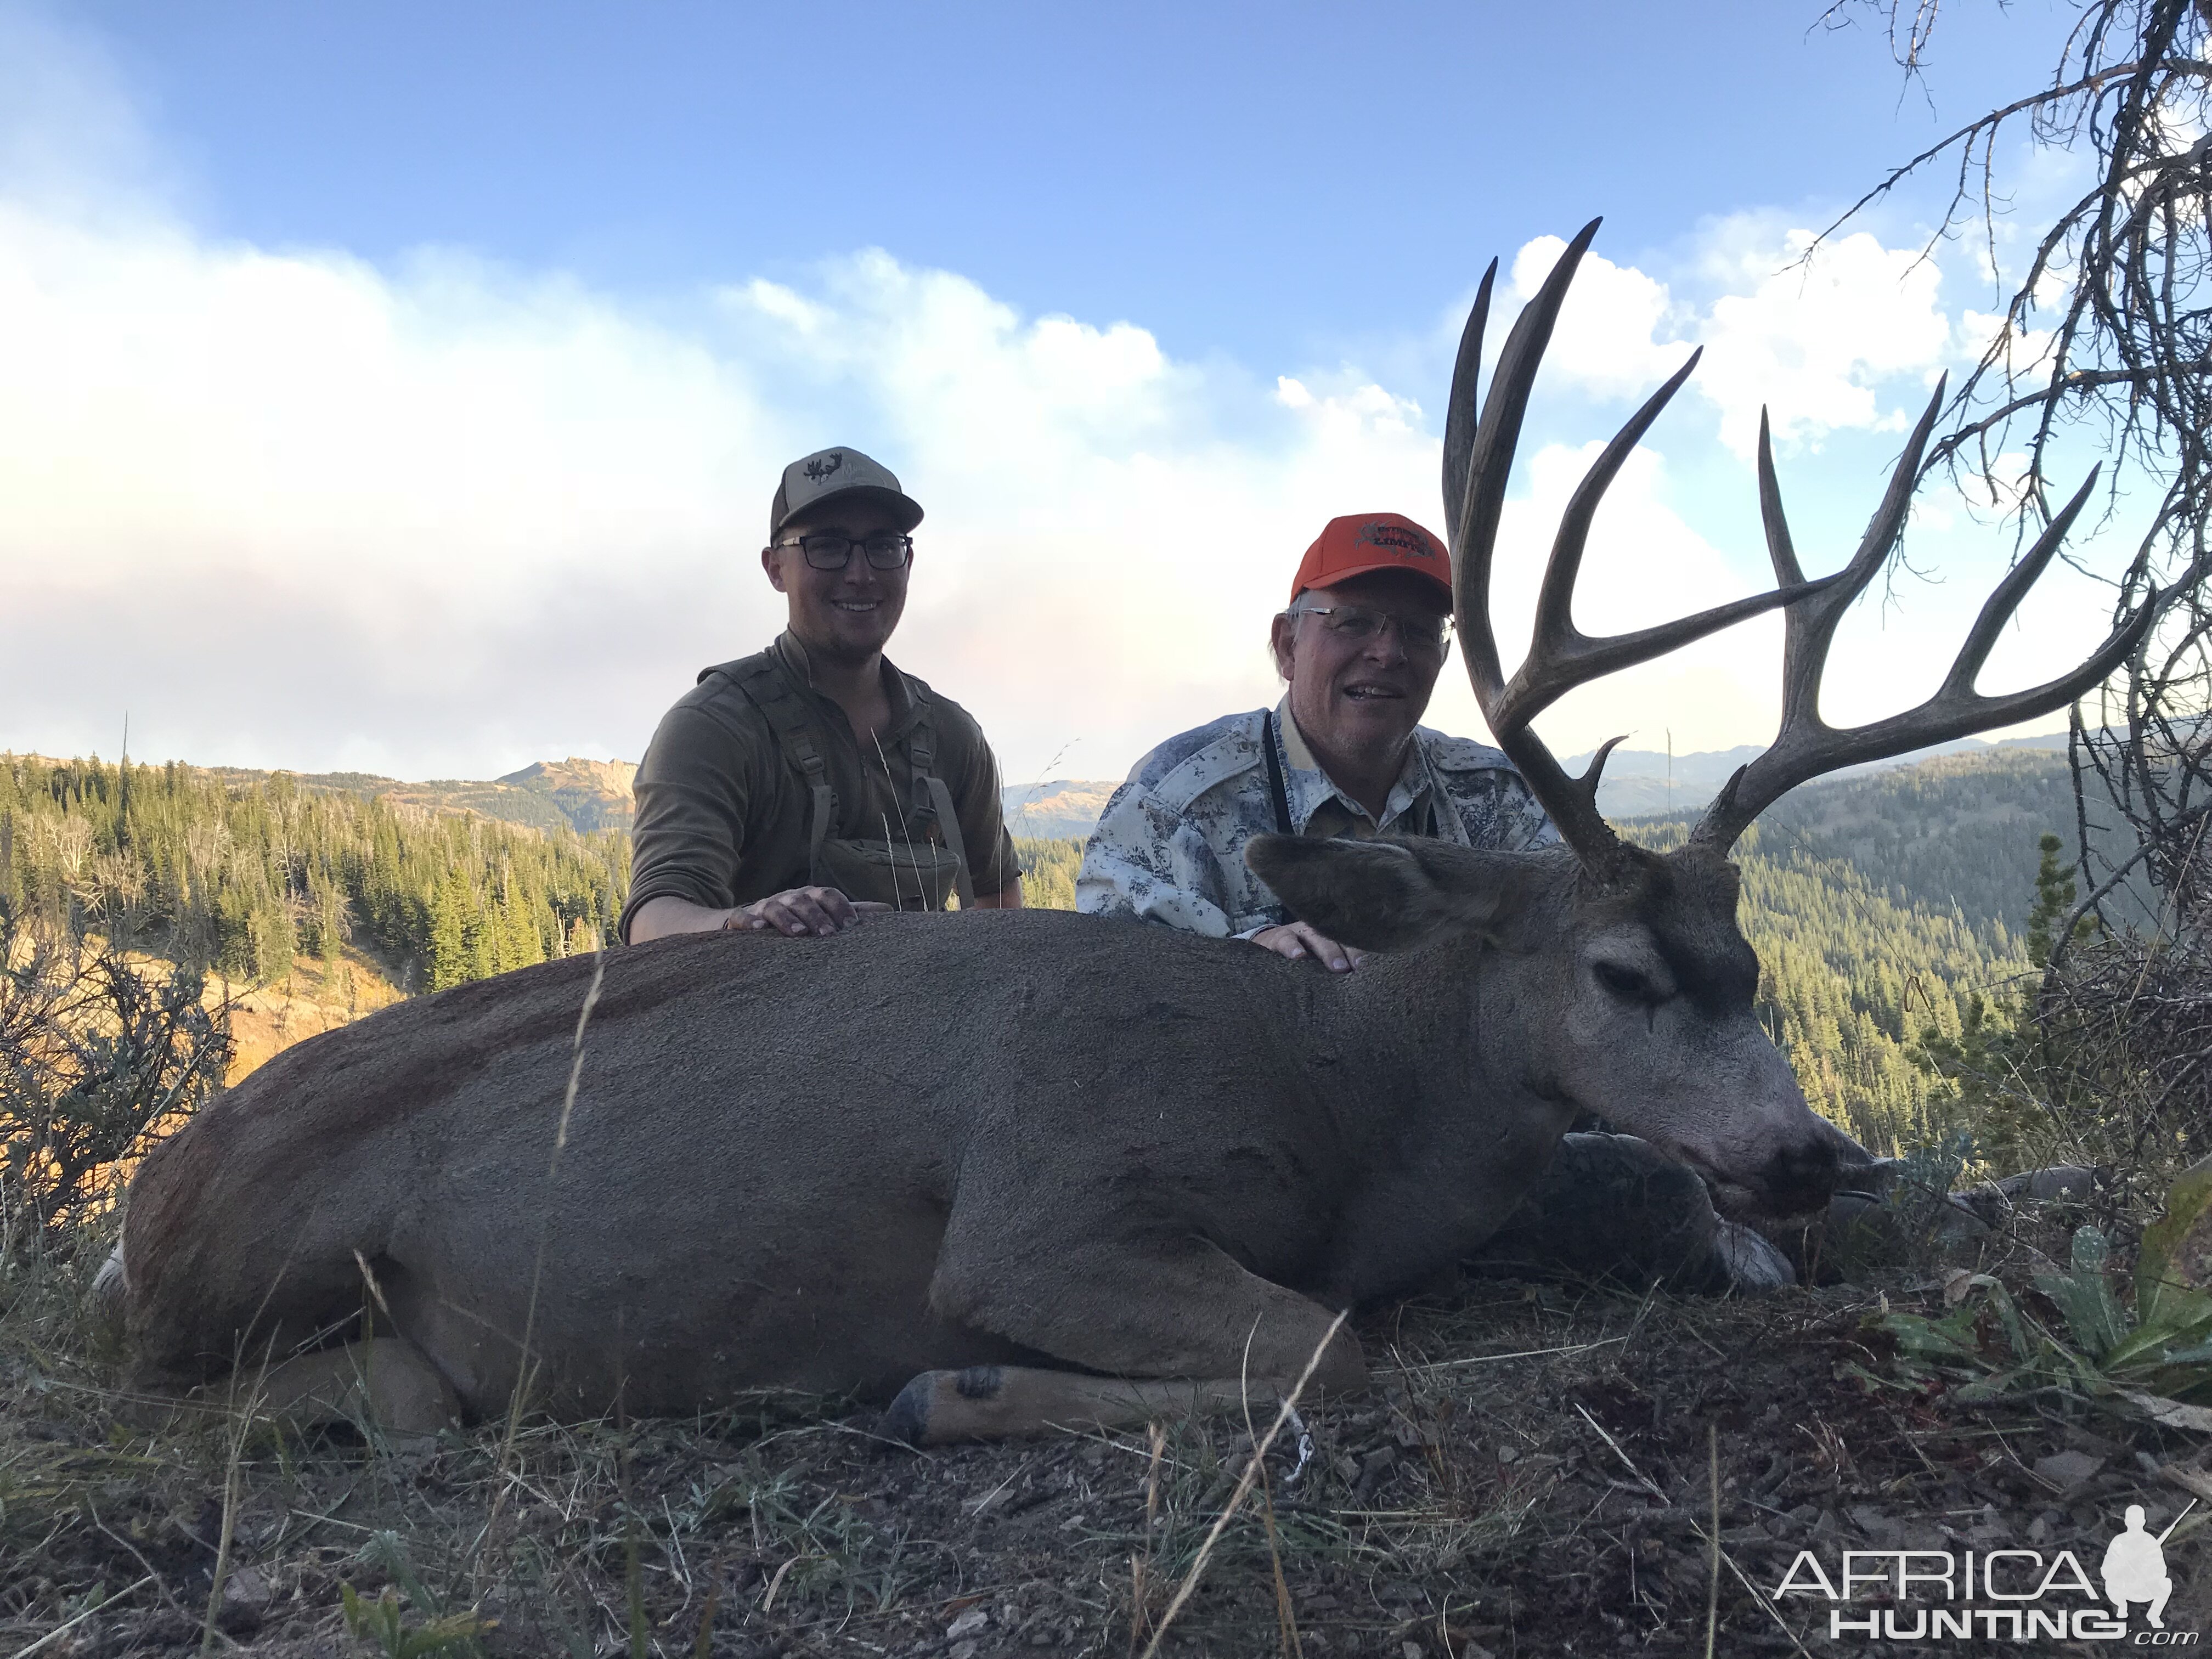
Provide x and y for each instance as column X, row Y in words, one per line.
column 1626, row 983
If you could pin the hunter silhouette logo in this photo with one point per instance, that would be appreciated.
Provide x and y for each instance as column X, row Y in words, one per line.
column 823, row 465
column 1379, row 534
column 2135, row 1568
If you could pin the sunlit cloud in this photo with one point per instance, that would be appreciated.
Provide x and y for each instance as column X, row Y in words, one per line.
column 441, row 517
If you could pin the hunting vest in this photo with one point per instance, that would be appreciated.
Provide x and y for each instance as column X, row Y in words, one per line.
column 907, row 868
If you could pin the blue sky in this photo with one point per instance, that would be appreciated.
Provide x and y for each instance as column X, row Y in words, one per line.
column 400, row 387
column 1264, row 182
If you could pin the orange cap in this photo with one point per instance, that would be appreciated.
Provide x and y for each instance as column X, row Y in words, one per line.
column 1353, row 546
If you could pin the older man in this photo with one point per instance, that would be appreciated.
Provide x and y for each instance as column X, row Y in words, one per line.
column 1344, row 753
column 793, row 789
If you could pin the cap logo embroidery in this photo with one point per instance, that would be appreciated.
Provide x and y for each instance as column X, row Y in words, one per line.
column 823, row 465
column 1396, row 536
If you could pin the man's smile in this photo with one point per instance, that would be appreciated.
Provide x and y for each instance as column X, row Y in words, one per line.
column 1365, row 690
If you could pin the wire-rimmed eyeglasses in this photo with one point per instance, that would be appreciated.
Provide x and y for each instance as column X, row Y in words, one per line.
column 1357, row 624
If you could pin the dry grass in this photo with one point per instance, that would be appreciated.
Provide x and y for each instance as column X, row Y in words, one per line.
column 1533, row 1473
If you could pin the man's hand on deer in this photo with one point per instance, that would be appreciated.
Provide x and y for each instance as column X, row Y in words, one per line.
column 797, row 910
column 1295, row 940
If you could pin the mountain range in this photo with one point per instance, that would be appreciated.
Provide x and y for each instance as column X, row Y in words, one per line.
column 1640, row 782
column 575, row 793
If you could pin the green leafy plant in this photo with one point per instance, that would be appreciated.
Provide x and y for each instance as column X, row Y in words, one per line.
column 97, row 1058
column 383, row 1623
column 2156, row 1356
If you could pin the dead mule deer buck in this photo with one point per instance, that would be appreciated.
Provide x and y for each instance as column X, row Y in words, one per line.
column 1021, row 1168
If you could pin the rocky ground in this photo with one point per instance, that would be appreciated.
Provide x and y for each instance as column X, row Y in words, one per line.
column 1532, row 1475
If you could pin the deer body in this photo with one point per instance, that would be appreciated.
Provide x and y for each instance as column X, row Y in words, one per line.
column 1127, row 1150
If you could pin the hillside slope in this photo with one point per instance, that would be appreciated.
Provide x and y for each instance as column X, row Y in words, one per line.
column 1956, row 833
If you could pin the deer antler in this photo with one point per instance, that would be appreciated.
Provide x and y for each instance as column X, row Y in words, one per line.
column 1478, row 458
column 1806, row 746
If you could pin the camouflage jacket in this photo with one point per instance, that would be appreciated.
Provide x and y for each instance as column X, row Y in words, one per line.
column 1170, row 847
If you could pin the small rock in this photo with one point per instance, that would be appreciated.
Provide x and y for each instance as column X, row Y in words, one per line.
column 1411, row 1650
column 2068, row 1468
column 1868, row 1520
column 246, row 1594
column 968, row 1623
column 2068, row 1181
column 967, row 1649
column 1374, row 1469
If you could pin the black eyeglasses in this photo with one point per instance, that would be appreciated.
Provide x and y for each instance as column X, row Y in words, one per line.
column 830, row 551
column 1352, row 621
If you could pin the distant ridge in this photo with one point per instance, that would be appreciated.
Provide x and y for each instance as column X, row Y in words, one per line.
column 579, row 795
column 592, row 794
column 1064, row 806
column 1636, row 782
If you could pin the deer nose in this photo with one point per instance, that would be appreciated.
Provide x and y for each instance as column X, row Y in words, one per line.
column 1802, row 1176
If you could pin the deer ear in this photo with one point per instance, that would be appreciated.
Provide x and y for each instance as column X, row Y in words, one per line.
column 1390, row 895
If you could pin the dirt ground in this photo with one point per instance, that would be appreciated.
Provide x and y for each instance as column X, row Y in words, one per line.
column 1529, row 1475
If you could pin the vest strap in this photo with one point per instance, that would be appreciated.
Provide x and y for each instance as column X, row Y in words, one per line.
column 769, row 692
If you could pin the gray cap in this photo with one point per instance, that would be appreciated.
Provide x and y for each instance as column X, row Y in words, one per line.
column 831, row 475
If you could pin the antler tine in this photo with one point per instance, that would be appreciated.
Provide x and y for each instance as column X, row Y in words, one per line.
column 1460, row 416
column 1810, row 629
column 2004, row 598
column 1560, row 655
column 1807, row 746
column 1475, row 476
column 1595, row 772
column 1474, row 480
column 1779, row 550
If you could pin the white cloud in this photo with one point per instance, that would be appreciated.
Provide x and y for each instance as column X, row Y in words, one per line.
column 1813, row 340
column 1614, row 331
column 1821, row 342
column 288, row 507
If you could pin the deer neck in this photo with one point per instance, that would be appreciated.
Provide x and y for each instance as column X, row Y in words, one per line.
column 1426, row 1047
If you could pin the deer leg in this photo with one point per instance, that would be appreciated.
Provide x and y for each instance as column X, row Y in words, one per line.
column 1177, row 1329
column 386, row 1382
column 1006, row 1402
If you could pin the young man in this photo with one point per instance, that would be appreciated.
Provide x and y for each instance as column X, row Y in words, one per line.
column 799, row 787
column 1344, row 753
